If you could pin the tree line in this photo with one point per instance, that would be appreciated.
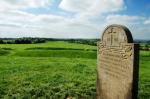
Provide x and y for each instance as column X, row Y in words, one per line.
column 92, row 42
column 23, row 40
column 144, row 44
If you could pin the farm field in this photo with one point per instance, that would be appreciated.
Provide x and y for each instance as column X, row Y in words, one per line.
column 56, row 70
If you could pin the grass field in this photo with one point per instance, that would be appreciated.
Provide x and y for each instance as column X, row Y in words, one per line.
column 56, row 70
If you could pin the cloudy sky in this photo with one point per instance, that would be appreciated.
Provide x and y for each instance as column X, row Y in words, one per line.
column 72, row 18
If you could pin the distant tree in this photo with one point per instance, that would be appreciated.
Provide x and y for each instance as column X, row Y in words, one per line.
column 10, row 42
column 148, row 42
column 2, row 42
column 39, row 40
column 23, row 41
column 146, row 47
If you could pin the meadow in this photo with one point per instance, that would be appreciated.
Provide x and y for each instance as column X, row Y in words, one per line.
column 56, row 70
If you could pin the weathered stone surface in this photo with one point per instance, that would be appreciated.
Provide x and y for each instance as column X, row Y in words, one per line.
column 117, row 64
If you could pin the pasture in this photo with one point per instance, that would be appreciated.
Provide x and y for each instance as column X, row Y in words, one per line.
column 56, row 70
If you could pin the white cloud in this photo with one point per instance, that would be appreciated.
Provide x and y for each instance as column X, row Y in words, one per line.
column 54, row 25
column 89, row 20
column 147, row 21
column 49, row 18
column 92, row 7
column 124, row 19
column 45, row 25
column 75, row 5
column 6, row 5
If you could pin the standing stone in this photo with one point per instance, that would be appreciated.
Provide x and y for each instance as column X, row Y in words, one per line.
column 117, row 64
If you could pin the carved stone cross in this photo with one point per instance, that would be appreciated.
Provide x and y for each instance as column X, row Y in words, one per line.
column 112, row 33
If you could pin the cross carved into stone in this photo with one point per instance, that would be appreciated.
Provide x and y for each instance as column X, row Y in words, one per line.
column 111, row 33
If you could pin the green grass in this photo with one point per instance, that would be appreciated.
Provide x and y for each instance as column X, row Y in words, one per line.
column 144, row 75
column 56, row 70
column 25, row 77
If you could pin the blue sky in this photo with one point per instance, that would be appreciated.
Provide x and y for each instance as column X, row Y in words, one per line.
column 72, row 18
column 137, row 7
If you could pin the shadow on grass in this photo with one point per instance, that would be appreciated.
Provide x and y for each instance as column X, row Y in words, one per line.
column 57, row 53
column 55, row 48
column 6, row 48
column 4, row 52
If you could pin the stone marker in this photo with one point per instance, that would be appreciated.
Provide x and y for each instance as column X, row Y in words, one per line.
column 117, row 64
